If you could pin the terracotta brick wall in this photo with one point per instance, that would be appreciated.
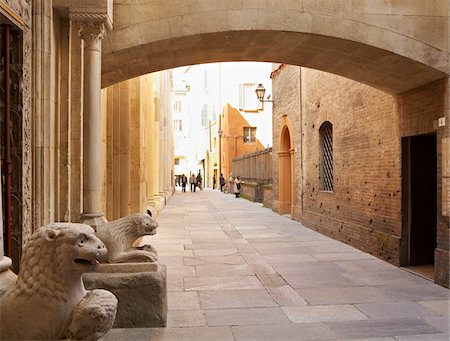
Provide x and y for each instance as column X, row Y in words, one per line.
column 287, row 95
column 419, row 110
column 364, row 209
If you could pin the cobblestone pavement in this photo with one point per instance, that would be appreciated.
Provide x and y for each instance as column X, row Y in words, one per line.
column 239, row 271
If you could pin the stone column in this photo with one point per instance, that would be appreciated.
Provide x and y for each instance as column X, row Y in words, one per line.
column 92, row 33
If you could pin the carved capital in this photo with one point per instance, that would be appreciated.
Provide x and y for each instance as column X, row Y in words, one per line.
column 91, row 32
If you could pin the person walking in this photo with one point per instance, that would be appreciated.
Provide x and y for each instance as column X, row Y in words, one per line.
column 222, row 182
column 214, row 181
column 183, row 182
column 199, row 181
column 193, row 182
column 237, row 186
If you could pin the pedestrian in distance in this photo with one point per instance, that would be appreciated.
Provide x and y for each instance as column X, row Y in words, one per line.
column 184, row 181
column 222, row 182
column 214, row 181
column 193, row 182
column 199, row 181
column 237, row 186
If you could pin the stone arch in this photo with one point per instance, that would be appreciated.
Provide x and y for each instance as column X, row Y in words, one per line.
column 286, row 168
column 353, row 40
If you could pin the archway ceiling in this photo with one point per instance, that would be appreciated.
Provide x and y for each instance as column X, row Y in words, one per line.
column 376, row 67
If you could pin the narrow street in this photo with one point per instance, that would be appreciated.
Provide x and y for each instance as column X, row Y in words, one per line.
column 239, row 271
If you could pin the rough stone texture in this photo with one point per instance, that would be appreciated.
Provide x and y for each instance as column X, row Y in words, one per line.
column 119, row 236
column 391, row 45
column 53, row 301
column 141, row 289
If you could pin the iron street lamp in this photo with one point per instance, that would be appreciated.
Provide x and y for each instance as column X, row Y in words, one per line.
column 260, row 91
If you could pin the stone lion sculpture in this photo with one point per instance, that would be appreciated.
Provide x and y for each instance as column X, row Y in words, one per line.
column 120, row 234
column 49, row 301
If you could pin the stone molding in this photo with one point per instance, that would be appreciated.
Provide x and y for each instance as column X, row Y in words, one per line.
column 94, row 11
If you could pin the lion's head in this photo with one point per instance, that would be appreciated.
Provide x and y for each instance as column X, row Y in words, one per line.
column 58, row 251
column 144, row 224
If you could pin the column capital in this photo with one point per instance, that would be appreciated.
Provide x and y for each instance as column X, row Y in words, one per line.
column 91, row 31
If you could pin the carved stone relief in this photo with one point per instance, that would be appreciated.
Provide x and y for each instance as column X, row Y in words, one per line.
column 21, row 8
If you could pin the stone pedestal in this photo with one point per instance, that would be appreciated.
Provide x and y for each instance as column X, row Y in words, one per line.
column 141, row 289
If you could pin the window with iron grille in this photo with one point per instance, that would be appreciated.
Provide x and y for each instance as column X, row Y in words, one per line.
column 326, row 156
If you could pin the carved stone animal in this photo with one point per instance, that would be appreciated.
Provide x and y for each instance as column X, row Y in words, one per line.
column 119, row 235
column 49, row 301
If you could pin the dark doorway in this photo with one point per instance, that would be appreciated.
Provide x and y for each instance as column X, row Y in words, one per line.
column 421, row 180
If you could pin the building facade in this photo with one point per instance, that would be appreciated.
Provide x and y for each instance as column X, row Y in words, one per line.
column 363, row 166
column 62, row 52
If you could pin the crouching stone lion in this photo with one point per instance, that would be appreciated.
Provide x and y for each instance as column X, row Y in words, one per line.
column 49, row 301
column 120, row 234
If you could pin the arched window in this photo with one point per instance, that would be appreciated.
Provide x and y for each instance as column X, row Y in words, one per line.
column 326, row 156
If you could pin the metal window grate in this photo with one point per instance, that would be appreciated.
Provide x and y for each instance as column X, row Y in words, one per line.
column 326, row 164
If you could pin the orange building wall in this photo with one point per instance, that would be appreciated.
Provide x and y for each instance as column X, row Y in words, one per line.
column 232, row 142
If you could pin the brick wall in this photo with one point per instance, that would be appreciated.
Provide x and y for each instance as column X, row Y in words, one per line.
column 365, row 207
column 287, row 96
column 419, row 110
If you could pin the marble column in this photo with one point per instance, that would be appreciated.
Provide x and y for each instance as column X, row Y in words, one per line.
column 92, row 34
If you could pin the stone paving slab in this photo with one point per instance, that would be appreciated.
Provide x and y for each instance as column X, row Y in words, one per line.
column 234, row 259
column 318, row 280
column 426, row 337
column 238, row 271
column 378, row 328
column 440, row 307
column 343, row 295
column 224, row 270
column 222, row 283
column 323, row 313
column 283, row 332
column 236, row 299
column 286, row 296
column 389, row 310
column 186, row 318
column 183, row 300
column 244, row 316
